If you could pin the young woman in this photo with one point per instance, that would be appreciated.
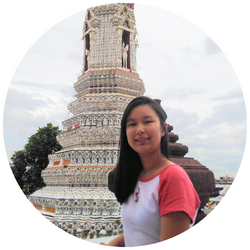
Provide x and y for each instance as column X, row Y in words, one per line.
column 158, row 200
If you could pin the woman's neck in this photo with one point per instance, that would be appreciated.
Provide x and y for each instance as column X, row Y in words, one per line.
column 152, row 165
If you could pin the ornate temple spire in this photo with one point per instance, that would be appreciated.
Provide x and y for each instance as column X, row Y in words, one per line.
column 109, row 79
column 76, row 177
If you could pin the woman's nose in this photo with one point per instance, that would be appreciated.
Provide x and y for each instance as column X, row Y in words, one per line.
column 140, row 130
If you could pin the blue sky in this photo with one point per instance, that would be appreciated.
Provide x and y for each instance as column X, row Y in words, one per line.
column 201, row 87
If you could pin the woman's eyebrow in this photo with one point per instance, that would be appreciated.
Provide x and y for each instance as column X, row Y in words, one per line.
column 131, row 119
column 148, row 116
column 144, row 117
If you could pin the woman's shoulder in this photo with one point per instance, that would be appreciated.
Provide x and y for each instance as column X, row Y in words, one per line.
column 173, row 168
column 173, row 171
column 175, row 178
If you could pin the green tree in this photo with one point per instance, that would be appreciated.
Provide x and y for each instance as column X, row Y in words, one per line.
column 35, row 153
column 19, row 167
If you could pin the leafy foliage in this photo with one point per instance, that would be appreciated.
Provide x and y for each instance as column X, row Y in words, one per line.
column 19, row 166
column 28, row 164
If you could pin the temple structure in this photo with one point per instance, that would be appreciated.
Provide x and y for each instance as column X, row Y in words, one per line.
column 78, row 194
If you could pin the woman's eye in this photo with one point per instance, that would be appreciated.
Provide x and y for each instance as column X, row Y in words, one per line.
column 148, row 122
column 131, row 124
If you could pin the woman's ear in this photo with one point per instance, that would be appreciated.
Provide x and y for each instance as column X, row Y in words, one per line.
column 166, row 125
column 163, row 132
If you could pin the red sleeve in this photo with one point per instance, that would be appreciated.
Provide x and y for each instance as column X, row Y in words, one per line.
column 176, row 192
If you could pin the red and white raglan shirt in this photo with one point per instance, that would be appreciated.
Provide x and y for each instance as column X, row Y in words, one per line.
column 171, row 190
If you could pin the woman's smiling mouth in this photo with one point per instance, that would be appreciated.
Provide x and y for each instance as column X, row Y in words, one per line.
column 142, row 140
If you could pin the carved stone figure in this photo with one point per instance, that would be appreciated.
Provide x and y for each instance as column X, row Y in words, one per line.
column 125, row 55
column 87, row 53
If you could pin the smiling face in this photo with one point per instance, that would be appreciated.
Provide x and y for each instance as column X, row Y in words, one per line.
column 144, row 131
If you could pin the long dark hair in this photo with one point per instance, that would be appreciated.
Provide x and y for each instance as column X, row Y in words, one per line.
column 129, row 163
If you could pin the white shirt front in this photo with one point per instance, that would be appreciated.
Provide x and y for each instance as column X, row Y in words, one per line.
column 135, row 215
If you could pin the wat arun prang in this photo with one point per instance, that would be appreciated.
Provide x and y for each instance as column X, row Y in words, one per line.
column 77, row 197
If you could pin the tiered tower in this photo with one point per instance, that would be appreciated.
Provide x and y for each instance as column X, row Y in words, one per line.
column 76, row 195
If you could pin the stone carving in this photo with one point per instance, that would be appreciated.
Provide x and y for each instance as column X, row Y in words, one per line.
column 125, row 55
column 87, row 53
